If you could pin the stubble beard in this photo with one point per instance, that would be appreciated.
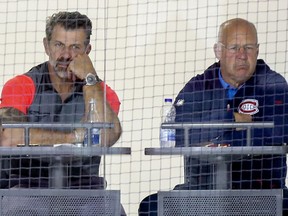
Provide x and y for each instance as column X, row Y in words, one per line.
column 61, row 73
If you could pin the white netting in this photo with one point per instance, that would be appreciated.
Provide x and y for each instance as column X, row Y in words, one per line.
column 146, row 51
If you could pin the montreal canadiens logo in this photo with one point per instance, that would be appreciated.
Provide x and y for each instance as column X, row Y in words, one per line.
column 248, row 106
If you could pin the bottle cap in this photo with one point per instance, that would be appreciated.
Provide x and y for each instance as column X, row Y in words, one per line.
column 168, row 100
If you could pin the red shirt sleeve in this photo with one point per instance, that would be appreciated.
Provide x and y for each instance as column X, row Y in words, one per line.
column 112, row 98
column 18, row 93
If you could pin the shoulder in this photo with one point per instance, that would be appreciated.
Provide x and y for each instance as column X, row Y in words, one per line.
column 18, row 93
column 206, row 80
column 268, row 76
column 195, row 88
column 37, row 72
column 19, row 82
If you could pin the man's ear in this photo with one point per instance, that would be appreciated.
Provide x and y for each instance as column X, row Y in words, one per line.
column 217, row 51
column 46, row 45
column 88, row 49
column 258, row 50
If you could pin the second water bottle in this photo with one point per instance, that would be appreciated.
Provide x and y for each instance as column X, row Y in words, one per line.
column 168, row 113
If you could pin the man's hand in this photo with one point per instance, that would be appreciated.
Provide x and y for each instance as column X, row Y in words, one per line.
column 11, row 137
column 240, row 117
column 80, row 66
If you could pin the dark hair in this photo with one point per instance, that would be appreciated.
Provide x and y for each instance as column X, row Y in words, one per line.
column 70, row 21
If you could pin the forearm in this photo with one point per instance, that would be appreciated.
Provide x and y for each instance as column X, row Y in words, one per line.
column 50, row 137
column 105, row 113
column 15, row 136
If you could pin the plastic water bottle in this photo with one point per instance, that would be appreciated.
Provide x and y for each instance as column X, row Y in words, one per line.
column 92, row 116
column 167, row 136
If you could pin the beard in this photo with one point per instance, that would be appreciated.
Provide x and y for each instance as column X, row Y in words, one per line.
column 60, row 68
column 61, row 73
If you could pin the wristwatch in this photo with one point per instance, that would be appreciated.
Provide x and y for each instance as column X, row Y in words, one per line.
column 92, row 79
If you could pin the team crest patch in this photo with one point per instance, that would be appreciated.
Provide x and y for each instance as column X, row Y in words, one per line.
column 248, row 106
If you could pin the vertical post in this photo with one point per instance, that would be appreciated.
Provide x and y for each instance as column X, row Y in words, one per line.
column 186, row 144
column 186, row 137
column 221, row 174
column 248, row 136
column 57, row 171
column 89, row 141
column 26, row 135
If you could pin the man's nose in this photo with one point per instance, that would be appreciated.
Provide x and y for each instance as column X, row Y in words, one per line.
column 242, row 52
column 66, row 52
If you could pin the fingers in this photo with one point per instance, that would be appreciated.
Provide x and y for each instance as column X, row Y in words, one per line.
column 71, row 75
column 9, row 139
column 80, row 66
column 240, row 117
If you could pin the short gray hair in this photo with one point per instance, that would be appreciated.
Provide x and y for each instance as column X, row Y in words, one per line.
column 69, row 21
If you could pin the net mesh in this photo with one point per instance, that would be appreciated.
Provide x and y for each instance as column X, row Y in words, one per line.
column 146, row 51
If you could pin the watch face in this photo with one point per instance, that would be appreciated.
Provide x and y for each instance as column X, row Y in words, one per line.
column 91, row 79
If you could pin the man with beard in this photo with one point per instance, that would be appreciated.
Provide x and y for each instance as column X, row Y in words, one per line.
column 58, row 91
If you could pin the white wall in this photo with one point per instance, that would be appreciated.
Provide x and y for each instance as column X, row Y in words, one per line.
column 146, row 50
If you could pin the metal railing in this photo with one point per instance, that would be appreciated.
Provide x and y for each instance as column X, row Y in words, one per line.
column 188, row 126
column 28, row 126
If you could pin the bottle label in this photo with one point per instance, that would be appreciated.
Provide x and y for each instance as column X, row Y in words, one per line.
column 171, row 136
column 167, row 138
column 95, row 137
column 167, row 135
